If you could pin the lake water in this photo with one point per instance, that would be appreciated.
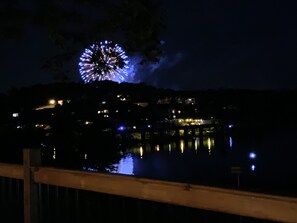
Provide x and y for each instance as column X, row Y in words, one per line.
column 263, row 162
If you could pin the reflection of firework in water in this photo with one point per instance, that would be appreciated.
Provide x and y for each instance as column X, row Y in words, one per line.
column 103, row 61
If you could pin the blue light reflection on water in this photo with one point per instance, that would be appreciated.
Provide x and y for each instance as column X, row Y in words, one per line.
column 125, row 166
column 230, row 141
column 182, row 160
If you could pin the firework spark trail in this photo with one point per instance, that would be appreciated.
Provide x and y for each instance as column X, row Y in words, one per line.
column 104, row 61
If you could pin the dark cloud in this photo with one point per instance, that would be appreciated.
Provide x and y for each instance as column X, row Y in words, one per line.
column 230, row 44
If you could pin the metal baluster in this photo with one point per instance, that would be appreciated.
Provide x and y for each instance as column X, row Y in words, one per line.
column 57, row 204
column 47, row 216
column 153, row 211
column 139, row 212
column 10, row 200
column 66, row 205
column 77, row 214
column 18, row 198
column 124, row 209
column 205, row 216
column 169, row 213
column 110, row 204
column 40, row 202
column 2, row 195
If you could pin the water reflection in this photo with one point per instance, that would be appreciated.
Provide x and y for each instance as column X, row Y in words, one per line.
column 181, row 146
column 200, row 159
column 210, row 144
column 131, row 159
column 252, row 156
column 230, row 142
column 141, row 151
column 54, row 153
column 203, row 160
column 125, row 166
column 197, row 144
column 206, row 160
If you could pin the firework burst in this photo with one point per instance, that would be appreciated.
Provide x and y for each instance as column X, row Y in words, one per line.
column 103, row 61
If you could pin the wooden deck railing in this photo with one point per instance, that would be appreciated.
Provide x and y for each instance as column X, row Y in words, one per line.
column 256, row 205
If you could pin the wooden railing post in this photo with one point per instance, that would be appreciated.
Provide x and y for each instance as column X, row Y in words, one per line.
column 31, row 157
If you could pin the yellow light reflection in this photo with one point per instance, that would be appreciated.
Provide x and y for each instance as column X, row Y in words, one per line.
column 157, row 147
column 210, row 144
column 54, row 153
column 86, row 156
column 197, row 143
column 182, row 146
column 190, row 144
column 141, row 151
column 169, row 148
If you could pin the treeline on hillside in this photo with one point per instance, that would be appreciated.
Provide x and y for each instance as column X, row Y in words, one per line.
column 264, row 108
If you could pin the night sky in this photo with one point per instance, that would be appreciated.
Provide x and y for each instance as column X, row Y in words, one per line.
column 208, row 44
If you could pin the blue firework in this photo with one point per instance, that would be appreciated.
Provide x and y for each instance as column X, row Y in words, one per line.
column 103, row 61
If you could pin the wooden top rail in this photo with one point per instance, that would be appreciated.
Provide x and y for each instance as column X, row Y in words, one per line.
column 256, row 205
column 269, row 207
column 12, row 171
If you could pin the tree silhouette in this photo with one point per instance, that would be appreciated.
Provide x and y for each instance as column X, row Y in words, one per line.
column 74, row 24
